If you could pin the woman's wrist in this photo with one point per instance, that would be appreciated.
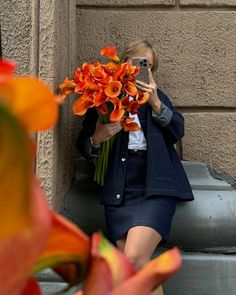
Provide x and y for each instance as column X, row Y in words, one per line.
column 156, row 106
column 95, row 142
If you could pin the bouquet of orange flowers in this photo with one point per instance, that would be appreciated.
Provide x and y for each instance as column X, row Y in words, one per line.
column 108, row 88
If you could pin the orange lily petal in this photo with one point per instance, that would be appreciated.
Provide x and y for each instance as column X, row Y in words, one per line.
column 99, row 97
column 80, row 87
column 128, row 125
column 133, row 70
column 143, row 97
column 121, row 71
column 7, row 68
column 19, row 252
column 108, row 269
column 121, row 267
column 15, row 172
column 113, row 89
column 151, row 275
column 67, row 87
column 100, row 75
column 31, row 287
column 110, row 51
column 31, row 101
column 66, row 244
column 99, row 278
column 131, row 89
column 118, row 110
column 81, row 105
column 103, row 109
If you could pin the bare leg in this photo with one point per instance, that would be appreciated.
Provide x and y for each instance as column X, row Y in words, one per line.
column 138, row 245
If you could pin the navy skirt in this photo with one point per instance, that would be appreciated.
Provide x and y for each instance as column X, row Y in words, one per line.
column 136, row 208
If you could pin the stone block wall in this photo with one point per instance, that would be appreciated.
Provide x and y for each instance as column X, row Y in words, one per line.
column 195, row 41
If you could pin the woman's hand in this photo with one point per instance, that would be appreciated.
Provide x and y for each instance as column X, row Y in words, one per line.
column 104, row 132
column 151, row 88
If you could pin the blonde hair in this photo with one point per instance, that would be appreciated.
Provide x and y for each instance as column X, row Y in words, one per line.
column 133, row 48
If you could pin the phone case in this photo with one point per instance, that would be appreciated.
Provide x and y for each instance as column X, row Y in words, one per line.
column 144, row 65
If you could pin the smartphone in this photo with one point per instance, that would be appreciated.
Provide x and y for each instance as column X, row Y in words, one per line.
column 143, row 64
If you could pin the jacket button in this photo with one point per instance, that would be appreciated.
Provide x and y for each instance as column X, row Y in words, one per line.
column 118, row 196
column 123, row 159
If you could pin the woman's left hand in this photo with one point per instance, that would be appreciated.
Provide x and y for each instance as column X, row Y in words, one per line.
column 151, row 88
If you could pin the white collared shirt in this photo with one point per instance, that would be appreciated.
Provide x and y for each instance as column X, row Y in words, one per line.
column 137, row 140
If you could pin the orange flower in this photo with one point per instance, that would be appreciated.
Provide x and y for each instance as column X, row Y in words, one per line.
column 128, row 125
column 82, row 104
column 110, row 51
column 113, row 89
column 99, row 97
column 67, row 87
column 7, row 68
column 133, row 71
column 111, row 68
column 131, row 89
column 100, row 76
column 121, row 71
column 31, row 101
column 118, row 110
column 143, row 97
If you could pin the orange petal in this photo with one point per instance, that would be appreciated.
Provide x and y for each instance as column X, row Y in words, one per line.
column 81, row 105
column 110, row 51
column 118, row 110
column 66, row 244
column 99, row 97
column 67, row 87
column 15, row 171
column 131, row 89
column 121, row 71
column 99, row 278
column 7, row 68
column 31, row 287
column 31, row 101
column 143, row 97
column 128, row 125
column 151, row 275
column 121, row 267
column 113, row 89
column 133, row 70
column 109, row 267
column 103, row 109
column 19, row 252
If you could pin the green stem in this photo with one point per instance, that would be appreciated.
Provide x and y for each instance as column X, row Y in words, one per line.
column 102, row 161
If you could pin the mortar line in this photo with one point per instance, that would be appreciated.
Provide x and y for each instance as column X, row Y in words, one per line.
column 157, row 8
column 206, row 109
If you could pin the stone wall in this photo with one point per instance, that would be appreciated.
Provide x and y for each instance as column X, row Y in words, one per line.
column 36, row 34
column 195, row 40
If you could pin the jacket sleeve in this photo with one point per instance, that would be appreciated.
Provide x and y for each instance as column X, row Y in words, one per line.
column 170, row 121
column 83, row 143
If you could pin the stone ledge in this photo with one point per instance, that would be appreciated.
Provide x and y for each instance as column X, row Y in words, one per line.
column 200, row 177
column 205, row 274
column 120, row 3
column 213, row 3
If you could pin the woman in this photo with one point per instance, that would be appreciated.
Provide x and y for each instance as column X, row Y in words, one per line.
column 145, row 177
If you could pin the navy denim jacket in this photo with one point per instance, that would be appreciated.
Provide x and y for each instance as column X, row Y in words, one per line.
column 165, row 174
